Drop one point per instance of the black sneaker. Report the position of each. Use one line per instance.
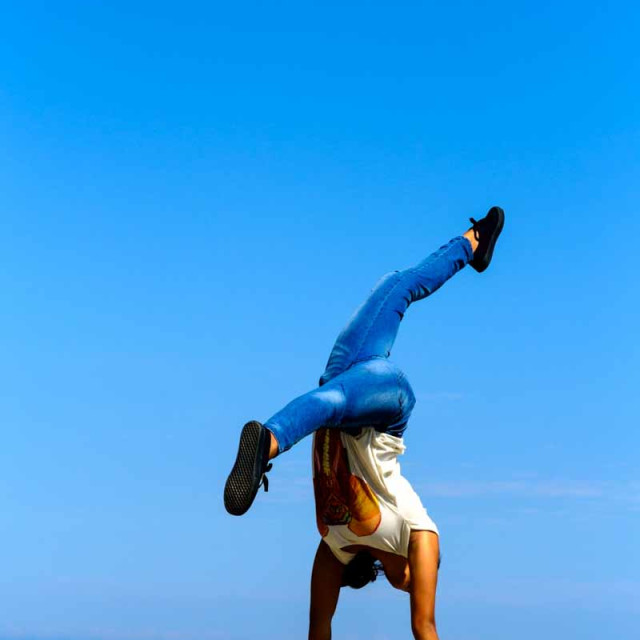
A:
(248, 473)
(486, 232)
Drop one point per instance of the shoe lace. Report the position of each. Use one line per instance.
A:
(476, 228)
(264, 482)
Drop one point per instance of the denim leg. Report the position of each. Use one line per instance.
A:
(373, 393)
(372, 329)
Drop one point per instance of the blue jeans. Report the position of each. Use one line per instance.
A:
(360, 386)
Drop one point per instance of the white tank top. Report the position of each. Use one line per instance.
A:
(361, 496)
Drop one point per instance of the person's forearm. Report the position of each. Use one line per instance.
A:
(426, 631)
(320, 631)
(326, 578)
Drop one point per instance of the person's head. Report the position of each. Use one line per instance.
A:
(362, 570)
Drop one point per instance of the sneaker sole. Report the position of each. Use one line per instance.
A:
(242, 485)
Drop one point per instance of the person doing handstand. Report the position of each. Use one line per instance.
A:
(368, 515)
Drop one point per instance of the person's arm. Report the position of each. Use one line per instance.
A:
(423, 570)
(326, 579)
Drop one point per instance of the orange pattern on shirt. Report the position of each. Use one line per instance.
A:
(341, 497)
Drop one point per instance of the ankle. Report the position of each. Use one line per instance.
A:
(273, 447)
(470, 235)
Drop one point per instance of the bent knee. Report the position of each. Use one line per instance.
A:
(333, 401)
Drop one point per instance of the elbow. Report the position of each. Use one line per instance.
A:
(424, 628)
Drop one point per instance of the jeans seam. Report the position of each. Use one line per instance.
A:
(343, 405)
(453, 245)
(365, 334)
(401, 276)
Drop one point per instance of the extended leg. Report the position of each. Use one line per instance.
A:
(373, 328)
(371, 393)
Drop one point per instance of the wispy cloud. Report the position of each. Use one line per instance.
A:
(528, 488)
(435, 396)
(295, 488)
(526, 592)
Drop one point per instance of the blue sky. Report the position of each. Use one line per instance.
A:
(195, 197)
